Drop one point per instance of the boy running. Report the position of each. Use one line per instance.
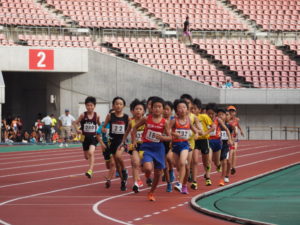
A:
(155, 133)
(235, 123)
(118, 122)
(181, 131)
(88, 122)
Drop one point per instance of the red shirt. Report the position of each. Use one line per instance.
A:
(216, 134)
(152, 128)
(234, 123)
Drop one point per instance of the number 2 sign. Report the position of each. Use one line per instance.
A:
(41, 59)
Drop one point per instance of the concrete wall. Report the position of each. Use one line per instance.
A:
(16, 58)
(111, 76)
(260, 96)
(260, 119)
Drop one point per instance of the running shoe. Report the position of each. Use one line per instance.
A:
(219, 168)
(226, 179)
(124, 174)
(123, 185)
(233, 171)
(135, 188)
(208, 182)
(221, 183)
(149, 182)
(140, 183)
(172, 177)
(184, 189)
(107, 183)
(194, 185)
(169, 187)
(89, 174)
(117, 174)
(178, 187)
(151, 197)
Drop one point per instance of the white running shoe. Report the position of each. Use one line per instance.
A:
(178, 186)
(61, 145)
(226, 179)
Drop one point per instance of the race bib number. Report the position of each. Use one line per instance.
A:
(184, 134)
(139, 136)
(213, 133)
(118, 129)
(89, 128)
(224, 135)
(151, 136)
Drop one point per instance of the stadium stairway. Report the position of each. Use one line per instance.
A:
(144, 11)
(220, 66)
(253, 26)
(57, 13)
(292, 54)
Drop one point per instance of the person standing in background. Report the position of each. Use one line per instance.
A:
(186, 30)
(47, 127)
(65, 124)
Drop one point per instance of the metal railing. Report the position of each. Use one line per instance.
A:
(273, 133)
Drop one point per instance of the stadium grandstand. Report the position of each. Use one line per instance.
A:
(54, 53)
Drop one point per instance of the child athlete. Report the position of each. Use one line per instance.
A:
(225, 147)
(155, 133)
(109, 161)
(118, 122)
(138, 109)
(235, 123)
(181, 130)
(215, 142)
(202, 144)
(88, 126)
(168, 171)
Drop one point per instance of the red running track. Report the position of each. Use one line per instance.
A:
(48, 187)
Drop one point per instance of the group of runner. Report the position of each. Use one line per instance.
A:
(160, 141)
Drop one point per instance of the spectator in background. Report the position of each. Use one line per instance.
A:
(38, 128)
(186, 30)
(14, 124)
(53, 124)
(228, 84)
(19, 123)
(65, 124)
(47, 122)
(26, 137)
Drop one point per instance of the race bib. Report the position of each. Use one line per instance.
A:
(224, 135)
(213, 133)
(118, 128)
(89, 127)
(151, 136)
(184, 134)
(139, 136)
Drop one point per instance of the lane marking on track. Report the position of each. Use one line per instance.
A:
(38, 155)
(244, 165)
(4, 223)
(96, 183)
(50, 170)
(54, 178)
(97, 204)
(28, 182)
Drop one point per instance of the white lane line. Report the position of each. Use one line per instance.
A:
(50, 170)
(55, 178)
(4, 223)
(97, 204)
(39, 155)
(36, 165)
(43, 159)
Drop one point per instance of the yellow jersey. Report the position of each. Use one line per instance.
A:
(205, 123)
(139, 132)
(192, 137)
